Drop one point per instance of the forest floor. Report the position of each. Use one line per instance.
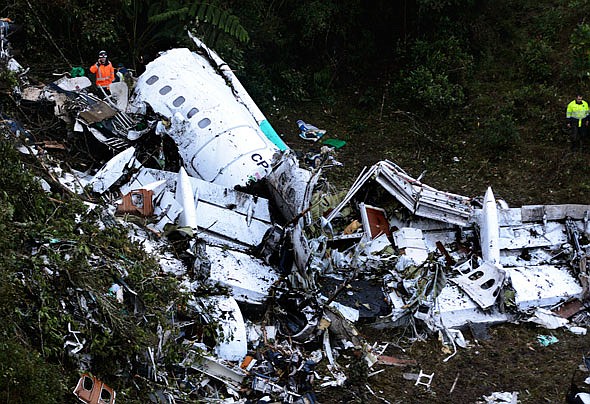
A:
(540, 170)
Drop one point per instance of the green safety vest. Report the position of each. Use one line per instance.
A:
(577, 111)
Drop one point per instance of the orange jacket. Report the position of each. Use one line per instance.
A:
(105, 74)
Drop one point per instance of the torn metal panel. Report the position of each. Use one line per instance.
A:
(223, 215)
(113, 142)
(541, 214)
(454, 309)
(91, 390)
(33, 94)
(377, 246)
(547, 319)
(300, 276)
(363, 177)
(75, 180)
(166, 209)
(223, 311)
(483, 284)
(411, 242)
(265, 385)
(532, 213)
(291, 186)
(233, 377)
(249, 278)
(97, 112)
(73, 83)
(120, 95)
(532, 235)
(217, 137)
(421, 199)
(113, 170)
(349, 313)
(542, 286)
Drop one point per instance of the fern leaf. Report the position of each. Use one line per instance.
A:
(168, 15)
(194, 8)
(201, 13)
(210, 14)
(223, 20)
(217, 18)
(234, 25)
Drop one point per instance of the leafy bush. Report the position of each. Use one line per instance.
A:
(25, 377)
(436, 76)
(535, 60)
(434, 92)
(294, 84)
(580, 46)
(499, 135)
(446, 55)
(529, 101)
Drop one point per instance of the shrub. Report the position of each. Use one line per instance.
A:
(580, 45)
(294, 84)
(26, 378)
(431, 91)
(444, 56)
(499, 135)
(535, 60)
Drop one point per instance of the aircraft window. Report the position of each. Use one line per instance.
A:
(87, 384)
(152, 80)
(203, 123)
(192, 112)
(178, 102)
(165, 90)
(105, 396)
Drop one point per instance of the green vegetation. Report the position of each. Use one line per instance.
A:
(72, 261)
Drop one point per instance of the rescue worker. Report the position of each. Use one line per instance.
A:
(124, 75)
(120, 73)
(577, 120)
(104, 71)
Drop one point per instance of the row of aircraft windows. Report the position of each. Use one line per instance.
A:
(178, 101)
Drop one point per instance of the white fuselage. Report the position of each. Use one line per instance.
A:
(218, 137)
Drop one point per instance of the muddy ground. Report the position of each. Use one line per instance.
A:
(541, 169)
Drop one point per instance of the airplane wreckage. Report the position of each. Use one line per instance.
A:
(390, 252)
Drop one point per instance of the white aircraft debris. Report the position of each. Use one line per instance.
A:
(218, 138)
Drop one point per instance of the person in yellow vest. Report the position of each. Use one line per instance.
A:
(577, 120)
(104, 71)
